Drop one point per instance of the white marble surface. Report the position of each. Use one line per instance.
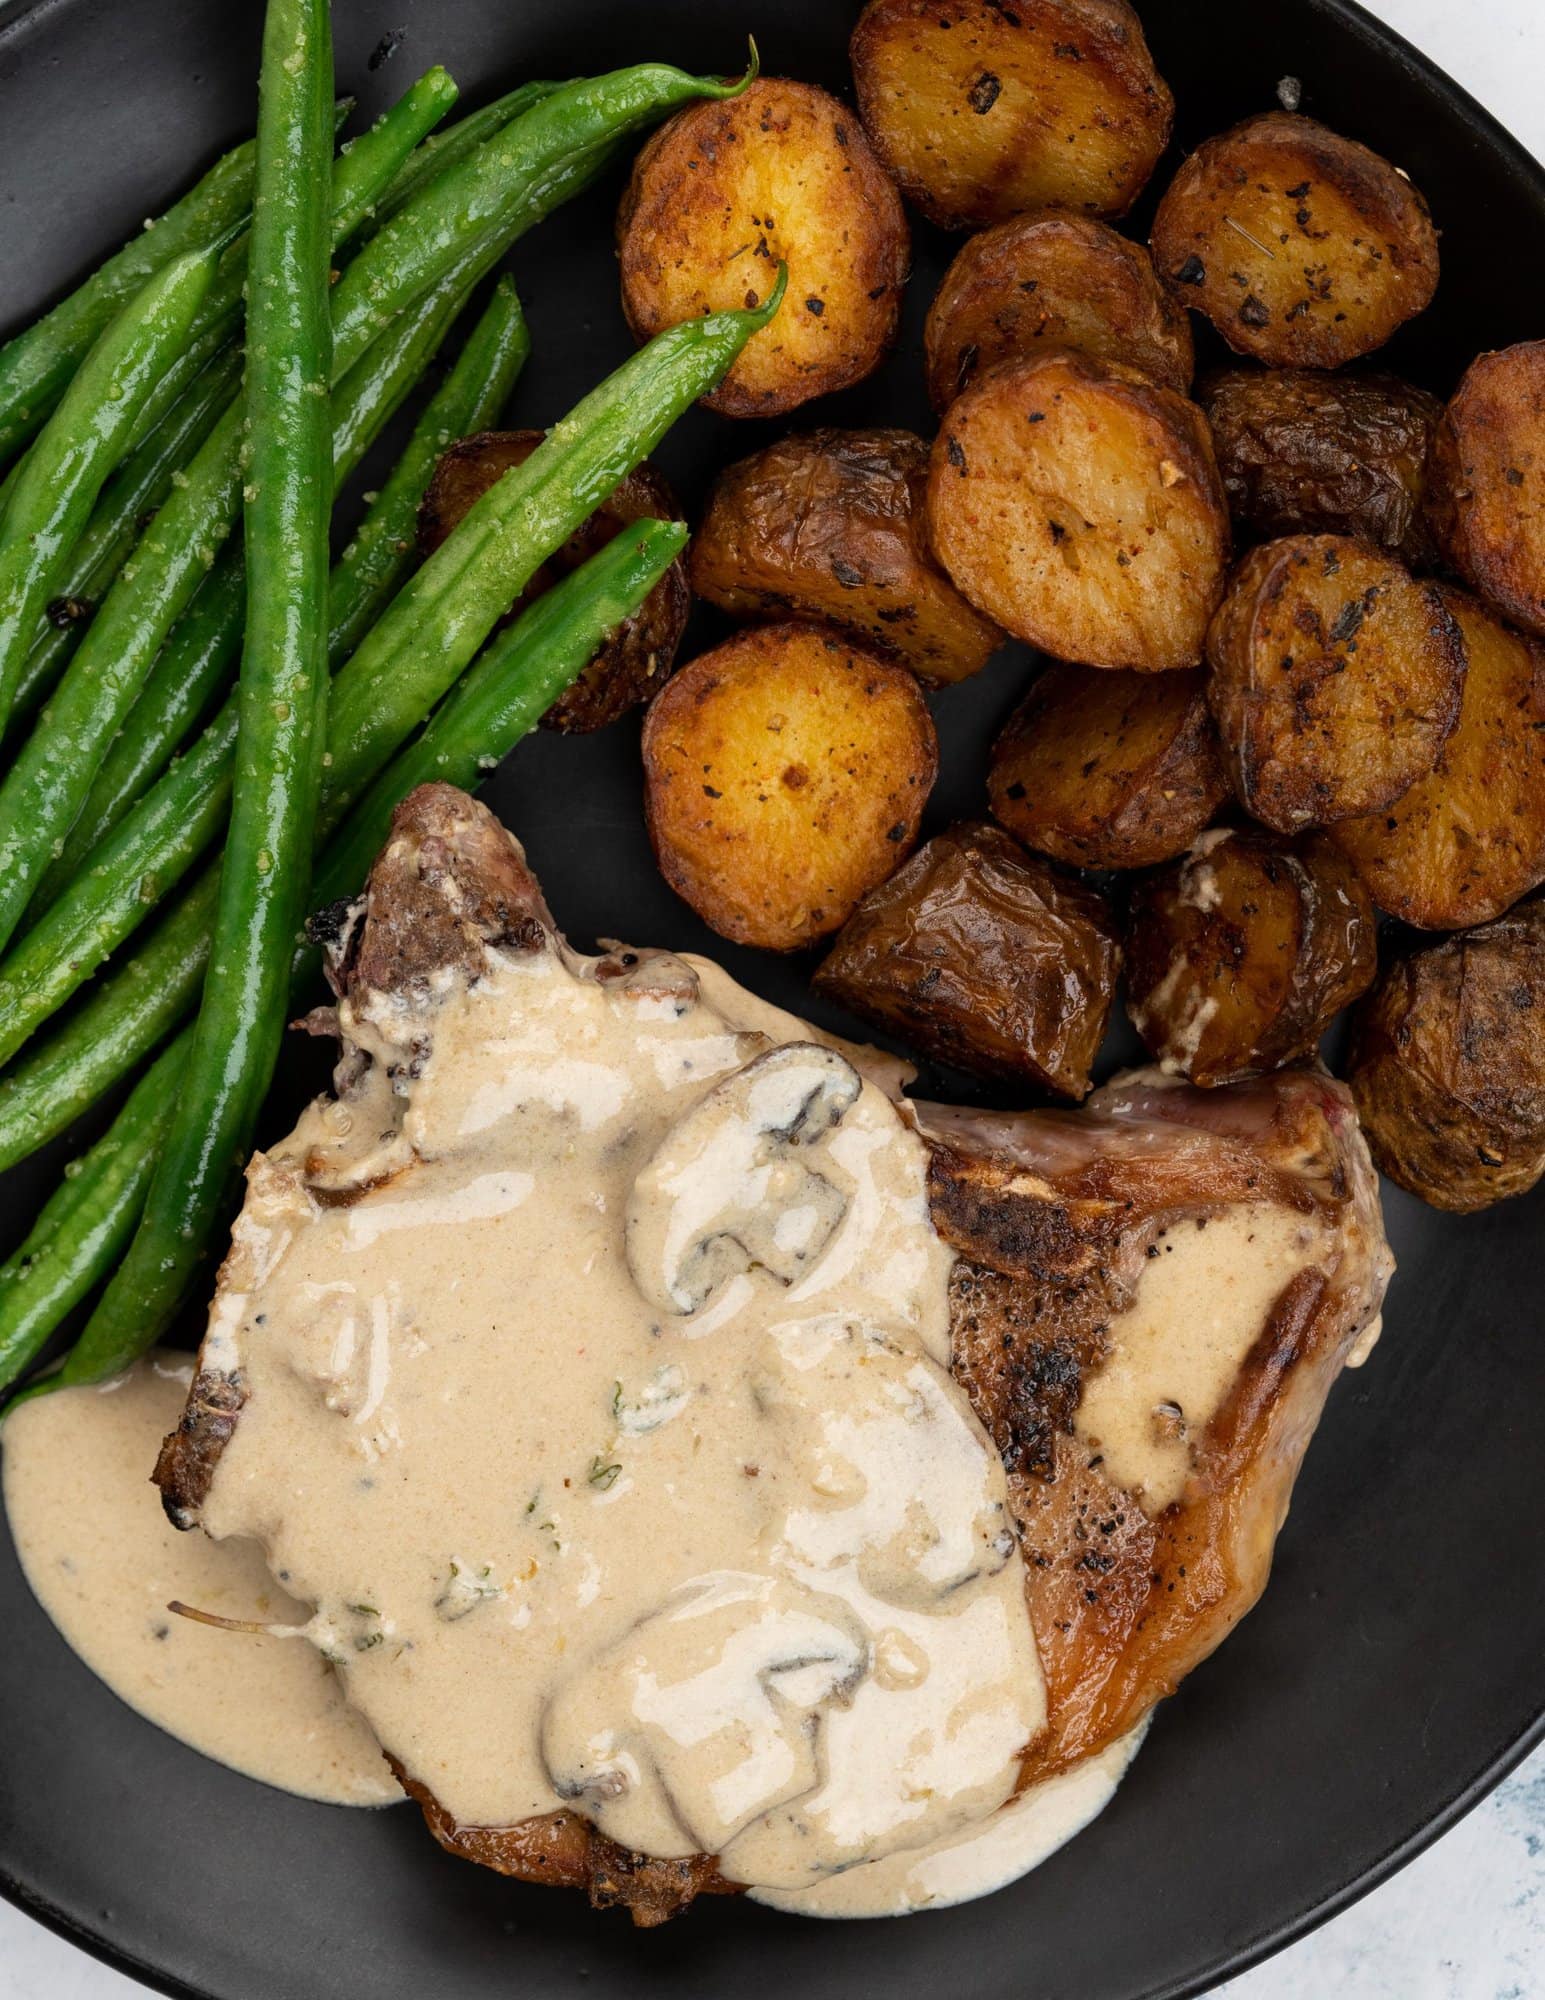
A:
(1466, 1921)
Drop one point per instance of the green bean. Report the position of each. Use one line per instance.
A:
(502, 186)
(137, 488)
(282, 692)
(469, 400)
(86, 1224)
(505, 693)
(499, 699)
(64, 472)
(36, 365)
(446, 149)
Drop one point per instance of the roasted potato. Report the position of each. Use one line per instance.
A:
(1240, 953)
(785, 774)
(724, 193)
(830, 526)
(1078, 504)
(1303, 248)
(1304, 452)
(1486, 490)
(1336, 679)
(1447, 1065)
(639, 655)
(1108, 770)
(1464, 843)
(982, 110)
(983, 956)
(1053, 280)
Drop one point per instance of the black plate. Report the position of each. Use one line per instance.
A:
(1393, 1671)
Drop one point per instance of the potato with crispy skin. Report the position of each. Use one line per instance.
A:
(982, 110)
(785, 773)
(1303, 248)
(1447, 1065)
(1240, 953)
(829, 525)
(1336, 679)
(1465, 842)
(1079, 505)
(986, 957)
(1306, 452)
(639, 655)
(1052, 280)
(1486, 493)
(724, 193)
(1108, 769)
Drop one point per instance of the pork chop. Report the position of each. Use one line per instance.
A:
(1149, 1301)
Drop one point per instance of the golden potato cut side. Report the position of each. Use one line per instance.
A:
(723, 194)
(1108, 769)
(1447, 1065)
(1302, 247)
(1078, 504)
(1336, 679)
(829, 525)
(982, 109)
(1052, 280)
(785, 774)
(1486, 494)
(1240, 954)
(1467, 841)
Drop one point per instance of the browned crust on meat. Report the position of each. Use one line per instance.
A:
(189, 1455)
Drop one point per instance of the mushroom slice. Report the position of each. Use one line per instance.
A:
(728, 1190)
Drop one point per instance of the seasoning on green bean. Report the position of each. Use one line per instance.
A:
(469, 400)
(446, 149)
(86, 1224)
(79, 447)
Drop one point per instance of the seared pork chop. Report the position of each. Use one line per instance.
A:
(1149, 1302)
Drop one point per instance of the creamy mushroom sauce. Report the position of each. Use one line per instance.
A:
(104, 1562)
(597, 1397)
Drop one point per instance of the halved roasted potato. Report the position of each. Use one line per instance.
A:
(1078, 504)
(1336, 679)
(1465, 842)
(1447, 1065)
(830, 525)
(1108, 769)
(785, 774)
(1302, 247)
(1052, 280)
(982, 110)
(639, 655)
(724, 193)
(1306, 452)
(1486, 493)
(983, 956)
(1240, 953)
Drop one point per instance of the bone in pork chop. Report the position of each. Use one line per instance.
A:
(1148, 1303)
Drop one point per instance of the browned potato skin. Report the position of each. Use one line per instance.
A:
(1053, 280)
(1464, 843)
(1078, 504)
(1336, 680)
(639, 655)
(983, 110)
(986, 957)
(830, 526)
(1487, 490)
(785, 773)
(1303, 248)
(1106, 769)
(1240, 953)
(1447, 1065)
(1306, 452)
(697, 233)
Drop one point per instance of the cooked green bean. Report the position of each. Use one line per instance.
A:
(468, 400)
(445, 149)
(36, 365)
(80, 445)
